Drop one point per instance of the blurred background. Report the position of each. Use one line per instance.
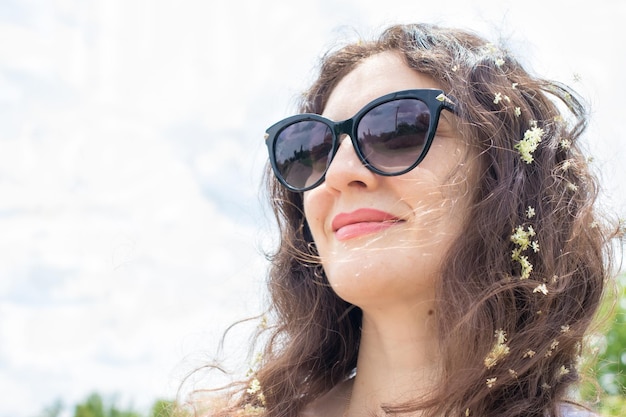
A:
(132, 228)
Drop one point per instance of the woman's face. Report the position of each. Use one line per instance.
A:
(382, 239)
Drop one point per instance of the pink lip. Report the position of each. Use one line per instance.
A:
(361, 222)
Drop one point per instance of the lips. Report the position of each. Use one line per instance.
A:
(362, 222)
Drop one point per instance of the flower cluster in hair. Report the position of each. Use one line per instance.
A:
(529, 143)
(499, 350)
(524, 237)
(255, 404)
(523, 240)
(251, 410)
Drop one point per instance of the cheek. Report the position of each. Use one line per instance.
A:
(445, 187)
(439, 206)
(313, 206)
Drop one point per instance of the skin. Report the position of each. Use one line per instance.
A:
(389, 273)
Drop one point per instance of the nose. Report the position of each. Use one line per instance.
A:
(346, 171)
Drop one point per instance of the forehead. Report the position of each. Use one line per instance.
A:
(380, 74)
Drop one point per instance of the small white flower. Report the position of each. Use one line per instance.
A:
(566, 165)
(553, 346)
(529, 353)
(527, 267)
(491, 48)
(565, 143)
(255, 386)
(534, 245)
(542, 289)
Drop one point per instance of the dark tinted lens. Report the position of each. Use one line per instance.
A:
(302, 150)
(392, 136)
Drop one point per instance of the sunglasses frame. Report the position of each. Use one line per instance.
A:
(435, 100)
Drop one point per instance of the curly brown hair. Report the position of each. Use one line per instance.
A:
(486, 287)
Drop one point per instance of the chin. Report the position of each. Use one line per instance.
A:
(359, 286)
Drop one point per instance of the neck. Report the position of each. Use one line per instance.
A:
(398, 359)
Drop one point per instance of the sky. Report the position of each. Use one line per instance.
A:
(132, 225)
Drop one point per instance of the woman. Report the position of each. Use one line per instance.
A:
(440, 252)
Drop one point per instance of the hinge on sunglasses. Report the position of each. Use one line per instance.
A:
(442, 97)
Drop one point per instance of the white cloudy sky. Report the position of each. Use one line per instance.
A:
(131, 226)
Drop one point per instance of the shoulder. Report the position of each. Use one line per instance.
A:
(571, 410)
(331, 404)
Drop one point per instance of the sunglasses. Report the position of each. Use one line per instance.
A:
(391, 136)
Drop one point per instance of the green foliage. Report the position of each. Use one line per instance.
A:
(612, 406)
(163, 408)
(611, 365)
(95, 406)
